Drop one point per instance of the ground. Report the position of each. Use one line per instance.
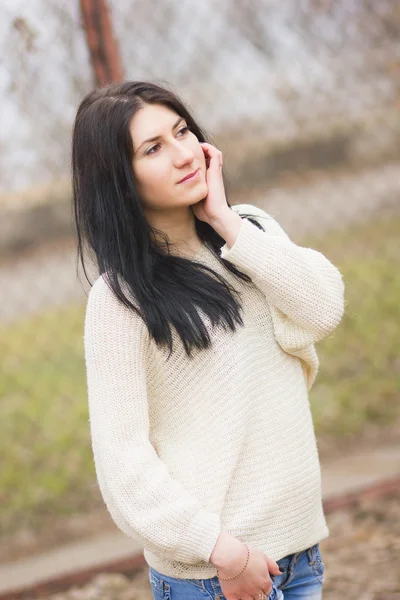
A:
(361, 557)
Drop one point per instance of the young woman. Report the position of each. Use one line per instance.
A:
(199, 349)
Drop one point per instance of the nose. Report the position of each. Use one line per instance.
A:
(182, 155)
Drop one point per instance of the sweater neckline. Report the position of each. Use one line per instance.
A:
(200, 252)
(204, 252)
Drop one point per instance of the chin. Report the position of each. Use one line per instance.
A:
(201, 191)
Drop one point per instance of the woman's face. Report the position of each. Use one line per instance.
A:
(159, 165)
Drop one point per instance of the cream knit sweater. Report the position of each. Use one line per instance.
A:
(184, 448)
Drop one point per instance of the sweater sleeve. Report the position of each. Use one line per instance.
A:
(304, 289)
(144, 500)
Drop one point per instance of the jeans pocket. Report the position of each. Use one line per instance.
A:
(274, 594)
(159, 587)
(316, 563)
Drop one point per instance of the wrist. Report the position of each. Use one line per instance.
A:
(227, 225)
(223, 214)
(229, 554)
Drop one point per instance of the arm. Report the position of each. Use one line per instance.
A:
(144, 500)
(300, 283)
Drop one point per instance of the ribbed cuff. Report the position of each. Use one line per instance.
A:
(199, 538)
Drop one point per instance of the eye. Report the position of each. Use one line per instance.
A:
(185, 129)
(149, 151)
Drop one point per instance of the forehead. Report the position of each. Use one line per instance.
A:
(151, 120)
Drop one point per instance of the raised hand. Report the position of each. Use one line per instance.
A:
(214, 206)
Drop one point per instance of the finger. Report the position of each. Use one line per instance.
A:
(216, 160)
(267, 589)
(214, 155)
(206, 147)
(273, 567)
(210, 149)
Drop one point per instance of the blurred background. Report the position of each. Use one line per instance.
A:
(303, 99)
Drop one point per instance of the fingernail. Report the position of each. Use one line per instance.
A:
(281, 569)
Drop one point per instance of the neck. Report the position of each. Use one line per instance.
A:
(179, 226)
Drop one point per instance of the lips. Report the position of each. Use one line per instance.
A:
(188, 176)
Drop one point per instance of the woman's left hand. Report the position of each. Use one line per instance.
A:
(214, 205)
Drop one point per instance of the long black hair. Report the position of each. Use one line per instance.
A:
(164, 289)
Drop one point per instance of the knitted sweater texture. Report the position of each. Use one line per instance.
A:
(186, 447)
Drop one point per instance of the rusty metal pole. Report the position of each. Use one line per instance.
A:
(104, 53)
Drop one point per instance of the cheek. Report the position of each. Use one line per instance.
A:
(151, 179)
(199, 154)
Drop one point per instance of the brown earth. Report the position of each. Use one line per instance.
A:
(361, 557)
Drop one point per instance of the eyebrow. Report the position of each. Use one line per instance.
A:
(157, 137)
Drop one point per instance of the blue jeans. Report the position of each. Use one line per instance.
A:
(302, 578)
